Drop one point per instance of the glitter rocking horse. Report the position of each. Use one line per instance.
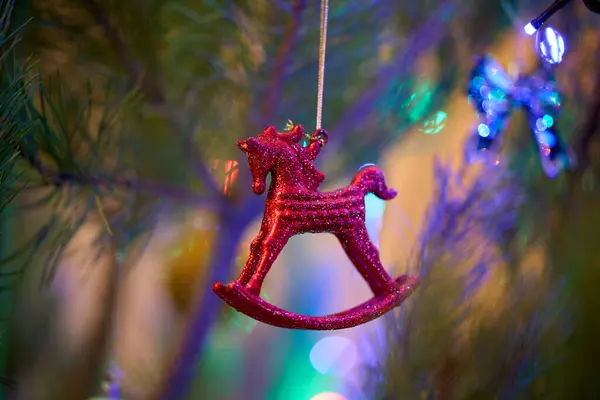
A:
(294, 205)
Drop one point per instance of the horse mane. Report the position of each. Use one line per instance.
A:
(313, 176)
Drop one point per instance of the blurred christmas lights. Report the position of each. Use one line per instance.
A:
(329, 396)
(495, 97)
(229, 170)
(434, 125)
(550, 45)
(334, 355)
(537, 23)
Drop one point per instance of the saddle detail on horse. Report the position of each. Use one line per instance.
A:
(294, 205)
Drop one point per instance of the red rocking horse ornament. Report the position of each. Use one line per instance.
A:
(294, 205)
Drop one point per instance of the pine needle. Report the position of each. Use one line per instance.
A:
(101, 213)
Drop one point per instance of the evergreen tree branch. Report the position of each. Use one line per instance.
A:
(155, 94)
(253, 204)
(284, 52)
(422, 40)
(185, 129)
(590, 128)
(12, 102)
(102, 181)
(183, 369)
(133, 67)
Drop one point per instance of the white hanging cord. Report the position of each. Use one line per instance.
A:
(322, 49)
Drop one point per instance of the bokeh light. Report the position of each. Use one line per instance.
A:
(329, 396)
(547, 138)
(484, 130)
(418, 103)
(496, 76)
(187, 260)
(334, 355)
(530, 29)
(435, 124)
(550, 45)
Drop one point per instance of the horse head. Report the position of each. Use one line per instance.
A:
(265, 150)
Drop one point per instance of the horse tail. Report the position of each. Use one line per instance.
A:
(371, 180)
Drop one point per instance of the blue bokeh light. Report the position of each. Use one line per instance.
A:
(483, 130)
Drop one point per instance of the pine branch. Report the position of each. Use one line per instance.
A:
(104, 181)
(133, 67)
(253, 204)
(181, 373)
(422, 40)
(589, 129)
(186, 130)
(284, 53)
(154, 93)
(10, 383)
(12, 102)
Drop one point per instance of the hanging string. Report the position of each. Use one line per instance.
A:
(322, 49)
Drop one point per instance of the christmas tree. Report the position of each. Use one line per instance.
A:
(119, 126)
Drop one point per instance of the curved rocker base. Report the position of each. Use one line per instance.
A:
(239, 298)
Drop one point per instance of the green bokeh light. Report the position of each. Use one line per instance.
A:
(419, 102)
(434, 125)
(548, 120)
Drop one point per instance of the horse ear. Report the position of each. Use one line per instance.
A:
(270, 131)
(243, 145)
(249, 145)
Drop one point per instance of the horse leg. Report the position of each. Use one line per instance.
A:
(365, 257)
(252, 262)
(270, 248)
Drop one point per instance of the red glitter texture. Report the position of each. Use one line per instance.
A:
(294, 205)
